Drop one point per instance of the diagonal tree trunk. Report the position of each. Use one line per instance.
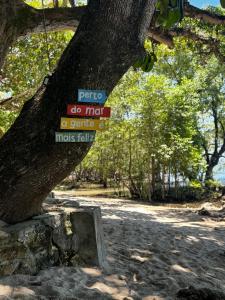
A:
(108, 41)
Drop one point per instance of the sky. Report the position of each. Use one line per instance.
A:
(204, 3)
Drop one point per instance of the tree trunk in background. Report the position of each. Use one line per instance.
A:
(108, 41)
(163, 182)
(209, 173)
(213, 162)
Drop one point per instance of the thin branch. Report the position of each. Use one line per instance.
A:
(166, 37)
(211, 43)
(161, 37)
(15, 98)
(222, 149)
(222, 127)
(204, 145)
(56, 19)
(4, 101)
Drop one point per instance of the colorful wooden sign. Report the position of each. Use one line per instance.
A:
(88, 110)
(92, 96)
(82, 124)
(74, 137)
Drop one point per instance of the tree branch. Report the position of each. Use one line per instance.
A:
(15, 102)
(55, 19)
(68, 18)
(166, 37)
(222, 149)
(204, 15)
(204, 145)
(211, 43)
(6, 100)
(161, 37)
(222, 127)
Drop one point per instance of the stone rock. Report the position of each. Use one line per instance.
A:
(24, 248)
(87, 225)
(204, 212)
(53, 201)
(57, 222)
(74, 235)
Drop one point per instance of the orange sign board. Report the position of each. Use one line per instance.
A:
(82, 124)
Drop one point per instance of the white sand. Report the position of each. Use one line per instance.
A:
(153, 251)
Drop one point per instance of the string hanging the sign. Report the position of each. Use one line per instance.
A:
(46, 36)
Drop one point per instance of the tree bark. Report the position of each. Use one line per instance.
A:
(219, 143)
(108, 41)
(209, 173)
(203, 15)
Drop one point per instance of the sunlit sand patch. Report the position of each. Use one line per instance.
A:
(139, 258)
(92, 271)
(176, 252)
(104, 288)
(18, 292)
(180, 269)
(5, 290)
(153, 298)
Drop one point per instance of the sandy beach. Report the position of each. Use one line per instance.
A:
(152, 252)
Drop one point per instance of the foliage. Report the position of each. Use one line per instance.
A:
(150, 138)
(27, 62)
(213, 185)
(6, 119)
(25, 69)
(169, 12)
(154, 142)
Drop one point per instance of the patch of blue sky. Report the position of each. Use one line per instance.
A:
(205, 3)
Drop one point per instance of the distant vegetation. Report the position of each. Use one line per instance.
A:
(166, 133)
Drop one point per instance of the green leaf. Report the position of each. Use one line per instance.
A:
(173, 3)
(147, 60)
(160, 20)
(154, 58)
(162, 6)
(173, 17)
(138, 64)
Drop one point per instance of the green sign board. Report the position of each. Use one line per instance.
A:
(74, 137)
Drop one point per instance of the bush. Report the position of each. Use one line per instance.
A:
(213, 185)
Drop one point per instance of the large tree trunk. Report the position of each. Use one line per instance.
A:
(108, 41)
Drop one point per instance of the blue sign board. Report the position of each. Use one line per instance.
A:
(92, 96)
(75, 137)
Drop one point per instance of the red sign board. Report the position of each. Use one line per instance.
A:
(88, 110)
